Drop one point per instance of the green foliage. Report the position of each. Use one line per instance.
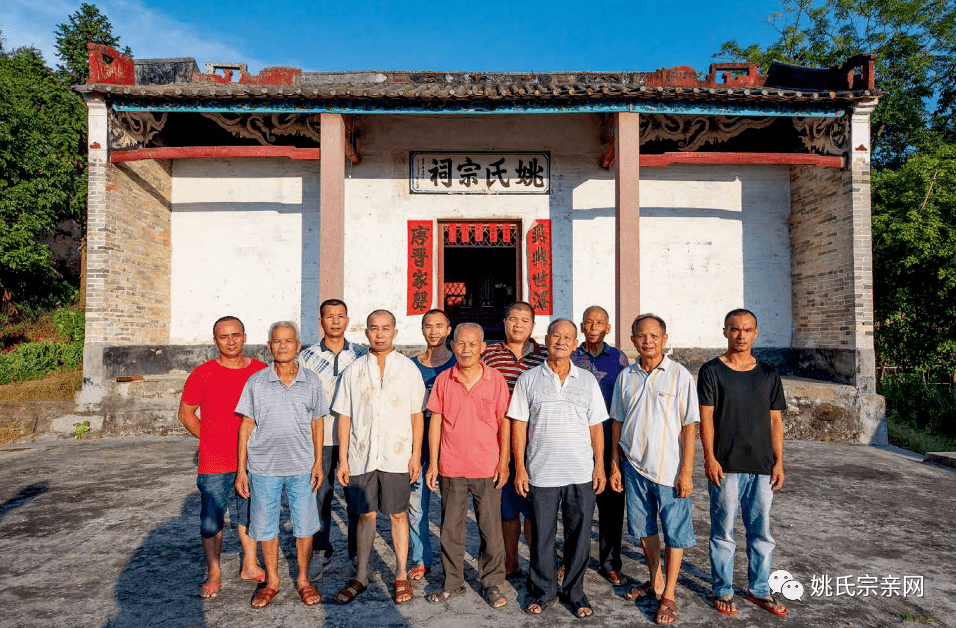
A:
(919, 410)
(34, 360)
(42, 172)
(70, 324)
(914, 258)
(85, 26)
(914, 42)
(80, 428)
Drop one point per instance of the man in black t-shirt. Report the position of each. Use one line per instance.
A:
(741, 429)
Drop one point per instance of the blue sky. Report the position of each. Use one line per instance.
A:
(490, 35)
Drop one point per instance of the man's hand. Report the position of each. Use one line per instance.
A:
(598, 479)
(317, 475)
(522, 484)
(242, 484)
(431, 477)
(715, 473)
(777, 477)
(685, 483)
(414, 469)
(615, 480)
(501, 475)
(342, 475)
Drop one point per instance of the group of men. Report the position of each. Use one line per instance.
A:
(526, 430)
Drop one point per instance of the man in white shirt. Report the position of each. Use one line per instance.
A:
(655, 412)
(557, 411)
(379, 405)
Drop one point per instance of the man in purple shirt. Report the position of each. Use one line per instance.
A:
(605, 363)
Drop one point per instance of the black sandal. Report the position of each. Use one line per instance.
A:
(541, 605)
(443, 595)
(494, 597)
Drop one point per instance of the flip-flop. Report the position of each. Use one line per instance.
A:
(730, 613)
(264, 595)
(417, 572)
(213, 590)
(348, 593)
(261, 578)
(771, 605)
(666, 608)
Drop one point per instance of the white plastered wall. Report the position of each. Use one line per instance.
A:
(715, 238)
(245, 243)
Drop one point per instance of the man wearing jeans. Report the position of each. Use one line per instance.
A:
(557, 410)
(329, 359)
(213, 389)
(280, 440)
(741, 429)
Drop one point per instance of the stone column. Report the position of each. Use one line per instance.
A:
(858, 196)
(627, 149)
(332, 208)
(97, 255)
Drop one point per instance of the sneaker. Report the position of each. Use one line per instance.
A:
(319, 563)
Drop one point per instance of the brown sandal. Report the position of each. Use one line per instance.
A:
(310, 595)
(666, 611)
(402, 588)
(263, 597)
(769, 604)
(347, 593)
(640, 591)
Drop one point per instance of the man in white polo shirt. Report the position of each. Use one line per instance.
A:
(654, 407)
(380, 401)
(557, 409)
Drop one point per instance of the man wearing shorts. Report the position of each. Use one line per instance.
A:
(655, 413)
(214, 389)
(516, 354)
(280, 443)
(379, 404)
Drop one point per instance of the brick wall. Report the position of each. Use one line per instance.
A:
(128, 272)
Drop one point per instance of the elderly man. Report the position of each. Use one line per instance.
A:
(655, 415)
(741, 429)
(329, 359)
(470, 448)
(558, 410)
(605, 363)
(280, 439)
(214, 388)
(379, 404)
(516, 354)
(434, 360)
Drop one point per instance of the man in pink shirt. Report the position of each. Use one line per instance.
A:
(468, 440)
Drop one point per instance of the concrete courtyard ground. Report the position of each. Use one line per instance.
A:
(105, 533)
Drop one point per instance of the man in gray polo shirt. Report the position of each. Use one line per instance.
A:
(280, 446)
(557, 410)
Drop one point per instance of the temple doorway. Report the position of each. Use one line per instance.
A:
(479, 266)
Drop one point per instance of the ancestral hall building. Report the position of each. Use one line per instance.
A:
(221, 192)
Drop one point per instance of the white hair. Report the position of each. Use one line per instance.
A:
(276, 325)
(463, 326)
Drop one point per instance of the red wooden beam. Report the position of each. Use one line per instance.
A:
(774, 159)
(192, 152)
(350, 152)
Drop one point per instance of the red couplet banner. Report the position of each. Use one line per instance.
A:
(420, 280)
(539, 267)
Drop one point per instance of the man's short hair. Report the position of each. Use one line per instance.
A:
(739, 312)
(276, 325)
(555, 322)
(330, 303)
(519, 305)
(644, 317)
(380, 313)
(436, 311)
(464, 326)
(595, 307)
(226, 319)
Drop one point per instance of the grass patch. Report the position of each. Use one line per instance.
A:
(10, 433)
(58, 386)
(918, 440)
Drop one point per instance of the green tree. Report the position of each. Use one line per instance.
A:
(914, 42)
(42, 173)
(85, 26)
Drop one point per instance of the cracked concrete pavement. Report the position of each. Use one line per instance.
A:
(105, 533)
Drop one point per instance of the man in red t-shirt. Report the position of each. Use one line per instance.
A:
(214, 389)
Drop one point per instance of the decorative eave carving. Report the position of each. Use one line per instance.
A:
(692, 132)
(134, 129)
(824, 136)
(264, 127)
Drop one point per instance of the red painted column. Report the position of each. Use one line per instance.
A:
(332, 208)
(627, 146)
